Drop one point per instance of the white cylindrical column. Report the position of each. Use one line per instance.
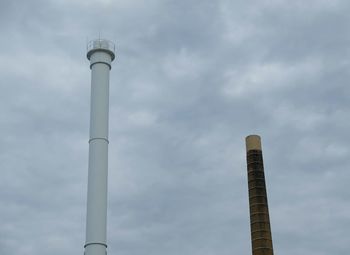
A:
(101, 54)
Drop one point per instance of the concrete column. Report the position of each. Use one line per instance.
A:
(101, 54)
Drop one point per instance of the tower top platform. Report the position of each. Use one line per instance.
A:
(101, 45)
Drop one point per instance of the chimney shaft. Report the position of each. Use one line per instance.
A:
(259, 213)
(101, 54)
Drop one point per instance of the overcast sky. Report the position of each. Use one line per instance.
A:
(191, 79)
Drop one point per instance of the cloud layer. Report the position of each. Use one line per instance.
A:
(190, 81)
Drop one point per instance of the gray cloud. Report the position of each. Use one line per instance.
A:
(190, 81)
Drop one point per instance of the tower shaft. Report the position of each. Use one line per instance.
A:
(261, 237)
(100, 55)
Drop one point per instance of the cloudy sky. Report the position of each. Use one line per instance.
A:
(190, 81)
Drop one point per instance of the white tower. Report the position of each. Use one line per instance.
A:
(101, 54)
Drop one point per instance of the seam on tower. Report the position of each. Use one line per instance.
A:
(87, 244)
(98, 138)
(101, 62)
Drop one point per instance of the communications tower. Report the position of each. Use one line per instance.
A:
(101, 53)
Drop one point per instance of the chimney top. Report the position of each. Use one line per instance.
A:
(253, 142)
